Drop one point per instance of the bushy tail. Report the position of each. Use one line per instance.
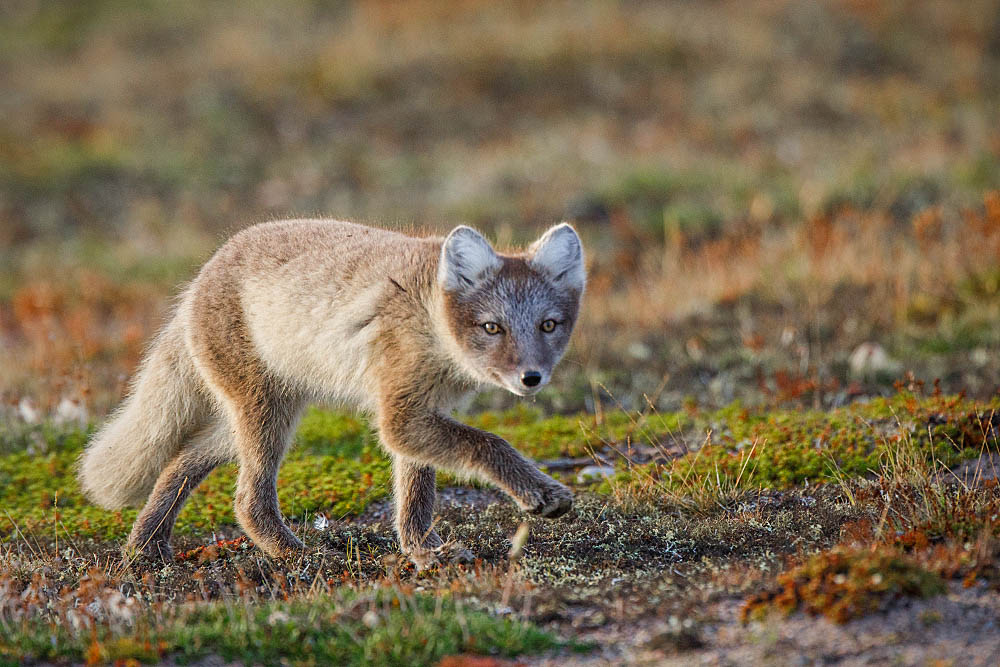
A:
(165, 405)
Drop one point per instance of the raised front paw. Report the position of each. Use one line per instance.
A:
(550, 500)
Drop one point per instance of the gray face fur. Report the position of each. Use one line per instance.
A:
(501, 308)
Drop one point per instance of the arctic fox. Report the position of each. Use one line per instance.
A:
(400, 328)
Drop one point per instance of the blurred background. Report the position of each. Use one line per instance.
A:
(783, 202)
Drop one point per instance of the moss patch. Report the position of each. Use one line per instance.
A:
(43, 500)
(779, 449)
(327, 432)
(575, 435)
(843, 584)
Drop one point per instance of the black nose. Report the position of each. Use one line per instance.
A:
(531, 378)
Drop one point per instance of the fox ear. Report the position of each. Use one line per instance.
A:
(467, 259)
(559, 253)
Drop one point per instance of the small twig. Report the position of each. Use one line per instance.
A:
(514, 555)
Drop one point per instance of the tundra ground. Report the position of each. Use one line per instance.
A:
(778, 408)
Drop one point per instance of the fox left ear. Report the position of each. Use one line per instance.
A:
(559, 253)
(467, 259)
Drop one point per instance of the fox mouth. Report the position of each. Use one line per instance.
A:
(499, 381)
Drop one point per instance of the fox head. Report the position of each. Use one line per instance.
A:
(509, 317)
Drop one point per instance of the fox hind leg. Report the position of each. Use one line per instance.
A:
(152, 529)
(263, 431)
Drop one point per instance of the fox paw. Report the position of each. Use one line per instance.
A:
(455, 552)
(282, 546)
(447, 553)
(550, 501)
(153, 556)
(289, 548)
(423, 558)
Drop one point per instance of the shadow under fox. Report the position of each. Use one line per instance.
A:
(292, 312)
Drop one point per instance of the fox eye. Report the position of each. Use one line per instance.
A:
(492, 328)
(548, 326)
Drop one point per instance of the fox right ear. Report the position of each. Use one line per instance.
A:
(560, 254)
(467, 259)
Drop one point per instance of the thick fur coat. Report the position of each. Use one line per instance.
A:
(398, 327)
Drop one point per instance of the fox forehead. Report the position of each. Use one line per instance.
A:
(518, 294)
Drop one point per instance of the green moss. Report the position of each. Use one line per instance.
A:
(43, 500)
(335, 467)
(576, 435)
(326, 432)
(784, 448)
(383, 627)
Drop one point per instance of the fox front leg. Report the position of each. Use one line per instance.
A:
(413, 485)
(439, 441)
(414, 499)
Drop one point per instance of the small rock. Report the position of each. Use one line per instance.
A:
(27, 411)
(787, 336)
(680, 640)
(871, 359)
(695, 349)
(639, 350)
(277, 617)
(70, 412)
